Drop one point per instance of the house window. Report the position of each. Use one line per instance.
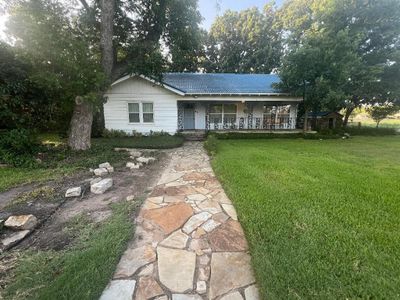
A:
(134, 112)
(223, 112)
(148, 115)
(141, 112)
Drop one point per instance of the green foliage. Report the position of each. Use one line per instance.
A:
(321, 217)
(114, 133)
(266, 135)
(244, 42)
(80, 272)
(211, 144)
(18, 147)
(145, 142)
(379, 112)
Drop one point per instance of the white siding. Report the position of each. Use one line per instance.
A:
(139, 90)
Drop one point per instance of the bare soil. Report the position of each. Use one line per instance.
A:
(55, 213)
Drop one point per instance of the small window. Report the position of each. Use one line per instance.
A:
(148, 115)
(134, 113)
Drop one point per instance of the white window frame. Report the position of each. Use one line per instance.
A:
(222, 113)
(141, 119)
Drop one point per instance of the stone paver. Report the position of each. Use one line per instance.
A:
(188, 243)
(119, 289)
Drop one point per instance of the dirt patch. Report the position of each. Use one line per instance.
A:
(54, 211)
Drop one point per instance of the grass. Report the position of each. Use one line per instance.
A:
(80, 272)
(58, 161)
(322, 217)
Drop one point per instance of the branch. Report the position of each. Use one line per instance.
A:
(85, 5)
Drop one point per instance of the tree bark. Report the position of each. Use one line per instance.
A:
(81, 125)
(349, 111)
(107, 33)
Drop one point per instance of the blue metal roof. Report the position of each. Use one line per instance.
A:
(222, 83)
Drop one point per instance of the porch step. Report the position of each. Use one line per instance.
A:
(194, 135)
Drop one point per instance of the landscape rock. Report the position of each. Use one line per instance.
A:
(170, 218)
(201, 287)
(230, 210)
(95, 180)
(132, 165)
(195, 221)
(102, 186)
(252, 293)
(145, 160)
(233, 296)
(105, 165)
(225, 274)
(176, 240)
(133, 259)
(176, 269)
(228, 237)
(119, 289)
(148, 288)
(110, 169)
(22, 222)
(73, 192)
(14, 238)
(186, 297)
(100, 172)
(130, 198)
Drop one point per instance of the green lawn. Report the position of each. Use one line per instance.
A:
(322, 217)
(60, 162)
(79, 272)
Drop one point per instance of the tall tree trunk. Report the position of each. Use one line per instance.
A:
(81, 125)
(347, 115)
(107, 56)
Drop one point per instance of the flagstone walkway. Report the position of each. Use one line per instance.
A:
(188, 243)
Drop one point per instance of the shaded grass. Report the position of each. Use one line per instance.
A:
(80, 272)
(322, 217)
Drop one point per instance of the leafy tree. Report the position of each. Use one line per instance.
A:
(244, 42)
(379, 112)
(355, 52)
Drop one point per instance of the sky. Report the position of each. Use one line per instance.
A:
(208, 8)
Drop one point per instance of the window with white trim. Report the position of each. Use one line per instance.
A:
(220, 112)
(141, 112)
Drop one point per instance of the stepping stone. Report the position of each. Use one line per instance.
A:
(221, 197)
(195, 221)
(196, 176)
(148, 288)
(176, 269)
(133, 259)
(220, 217)
(22, 222)
(147, 270)
(169, 177)
(210, 206)
(252, 293)
(233, 296)
(229, 271)
(176, 240)
(170, 218)
(102, 186)
(73, 192)
(230, 210)
(119, 289)
(228, 237)
(172, 199)
(156, 200)
(14, 238)
(186, 297)
(210, 225)
(197, 197)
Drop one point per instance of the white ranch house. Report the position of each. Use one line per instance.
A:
(201, 102)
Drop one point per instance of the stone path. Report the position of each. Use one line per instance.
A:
(188, 243)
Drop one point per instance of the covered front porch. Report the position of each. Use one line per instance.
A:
(236, 115)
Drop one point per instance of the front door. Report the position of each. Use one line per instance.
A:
(188, 114)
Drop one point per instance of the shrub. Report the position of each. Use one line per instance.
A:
(113, 133)
(158, 133)
(18, 147)
(370, 131)
(211, 144)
